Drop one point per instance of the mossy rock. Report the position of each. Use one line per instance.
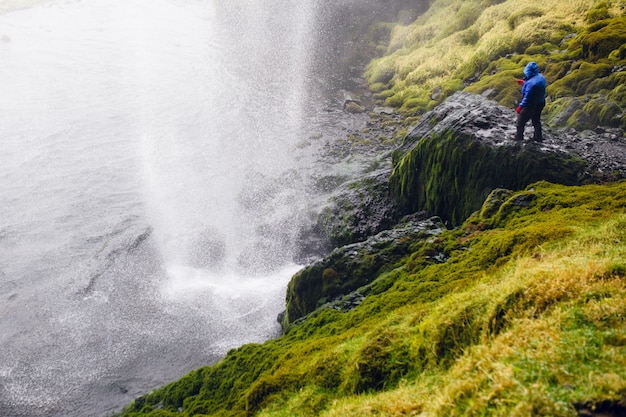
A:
(451, 174)
(558, 112)
(586, 112)
(600, 43)
(576, 83)
(603, 112)
(458, 154)
(493, 202)
(598, 12)
(351, 267)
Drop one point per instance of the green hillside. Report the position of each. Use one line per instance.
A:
(483, 45)
(521, 310)
(525, 318)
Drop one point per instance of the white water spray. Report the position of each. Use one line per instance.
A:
(152, 195)
(215, 175)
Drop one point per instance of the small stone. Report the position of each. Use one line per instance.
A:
(353, 107)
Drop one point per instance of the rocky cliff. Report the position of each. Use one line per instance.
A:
(465, 148)
(448, 164)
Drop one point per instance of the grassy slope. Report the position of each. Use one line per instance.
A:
(484, 44)
(526, 317)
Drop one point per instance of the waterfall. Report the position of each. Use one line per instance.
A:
(153, 190)
(214, 177)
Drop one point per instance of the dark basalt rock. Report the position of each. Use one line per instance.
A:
(359, 209)
(353, 266)
(463, 149)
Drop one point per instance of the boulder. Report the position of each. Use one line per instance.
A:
(359, 209)
(353, 266)
(465, 148)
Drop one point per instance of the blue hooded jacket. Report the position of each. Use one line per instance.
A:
(534, 88)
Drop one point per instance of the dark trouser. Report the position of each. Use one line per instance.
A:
(533, 113)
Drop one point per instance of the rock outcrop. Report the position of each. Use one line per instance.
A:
(360, 209)
(459, 159)
(353, 266)
(463, 149)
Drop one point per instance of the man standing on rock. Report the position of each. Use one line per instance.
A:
(533, 101)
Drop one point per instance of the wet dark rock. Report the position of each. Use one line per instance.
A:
(349, 194)
(607, 408)
(359, 209)
(354, 266)
(459, 159)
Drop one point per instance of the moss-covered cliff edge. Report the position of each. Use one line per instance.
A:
(526, 317)
(518, 311)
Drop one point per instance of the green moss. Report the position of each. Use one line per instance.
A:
(420, 104)
(544, 49)
(600, 43)
(466, 15)
(261, 390)
(493, 202)
(470, 36)
(381, 71)
(603, 112)
(538, 32)
(598, 13)
(378, 87)
(605, 85)
(379, 363)
(587, 112)
(433, 318)
(576, 83)
(396, 99)
(617, 269)
(503, 85)
(556, 70)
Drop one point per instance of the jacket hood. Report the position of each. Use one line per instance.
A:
(531, 70)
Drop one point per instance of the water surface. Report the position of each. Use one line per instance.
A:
(149, 195)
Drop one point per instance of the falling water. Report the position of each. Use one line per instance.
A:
(150, 191)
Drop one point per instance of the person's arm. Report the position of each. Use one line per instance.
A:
(526, 89)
